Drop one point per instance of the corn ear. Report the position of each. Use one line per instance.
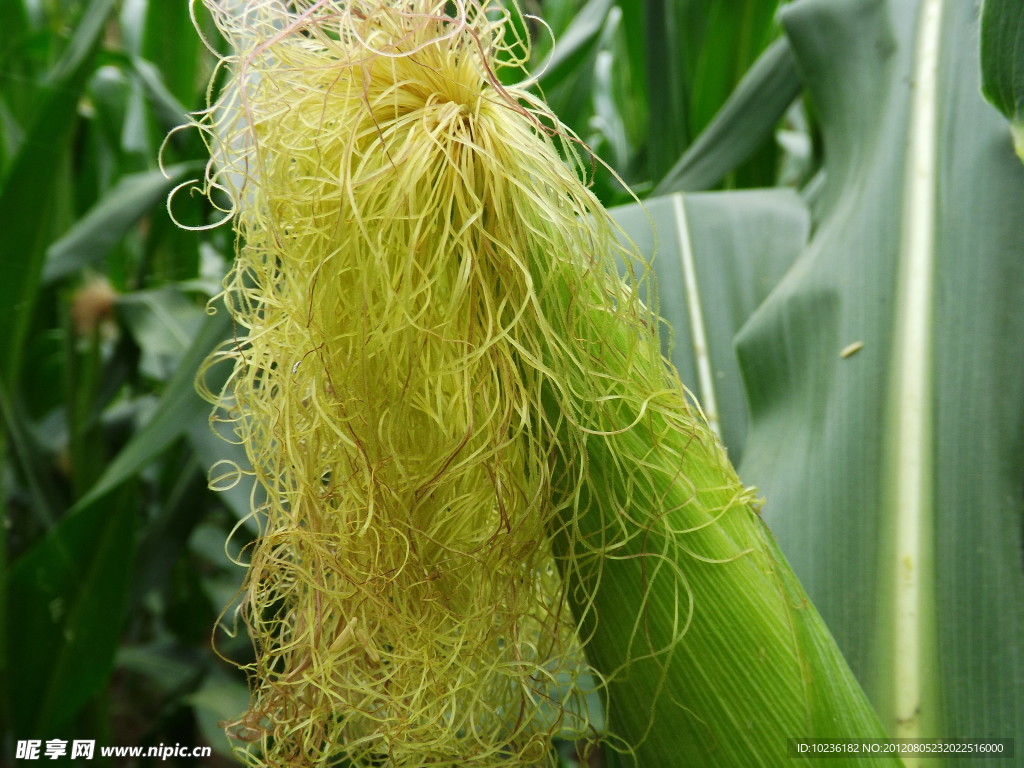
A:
(479, 486)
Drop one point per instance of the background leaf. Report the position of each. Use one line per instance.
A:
(90, 397)
(719, 254)
(697, 51)
(745, 121)
(907, 302)
(1002, 62)
(67, 599)
(27, 197)
(178, 409)
(93, 235)
(570, 47)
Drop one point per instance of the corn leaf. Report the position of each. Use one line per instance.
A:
(67, 594)
(883, 372)
(92, 236)
(744, 122)
(66, 598)
(719, 255)
(696, 52)
(573, 44)
(1002, 62)
(178, 409)
(28, 190)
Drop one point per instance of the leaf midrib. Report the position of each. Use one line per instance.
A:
(910, 571)
(698, 333)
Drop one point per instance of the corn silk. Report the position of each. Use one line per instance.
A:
(438, 374)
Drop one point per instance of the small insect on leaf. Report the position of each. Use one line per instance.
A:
(851, 349)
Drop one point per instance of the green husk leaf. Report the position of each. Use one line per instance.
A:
(712, 651)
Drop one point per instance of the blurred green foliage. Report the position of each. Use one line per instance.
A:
(115, 569)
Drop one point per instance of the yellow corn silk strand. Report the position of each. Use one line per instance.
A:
(440, 380)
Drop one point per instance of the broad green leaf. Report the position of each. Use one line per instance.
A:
(1002, 62)
(178, 409)
(697, 51)
(572, 45)
(66, 599)
(884, 371)
(113, 216)
(220, 699)
(182, 66)
(30, 186)
(727, 43)
(163, 323)
(744, 122)
(719, 254)
(169, 111)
